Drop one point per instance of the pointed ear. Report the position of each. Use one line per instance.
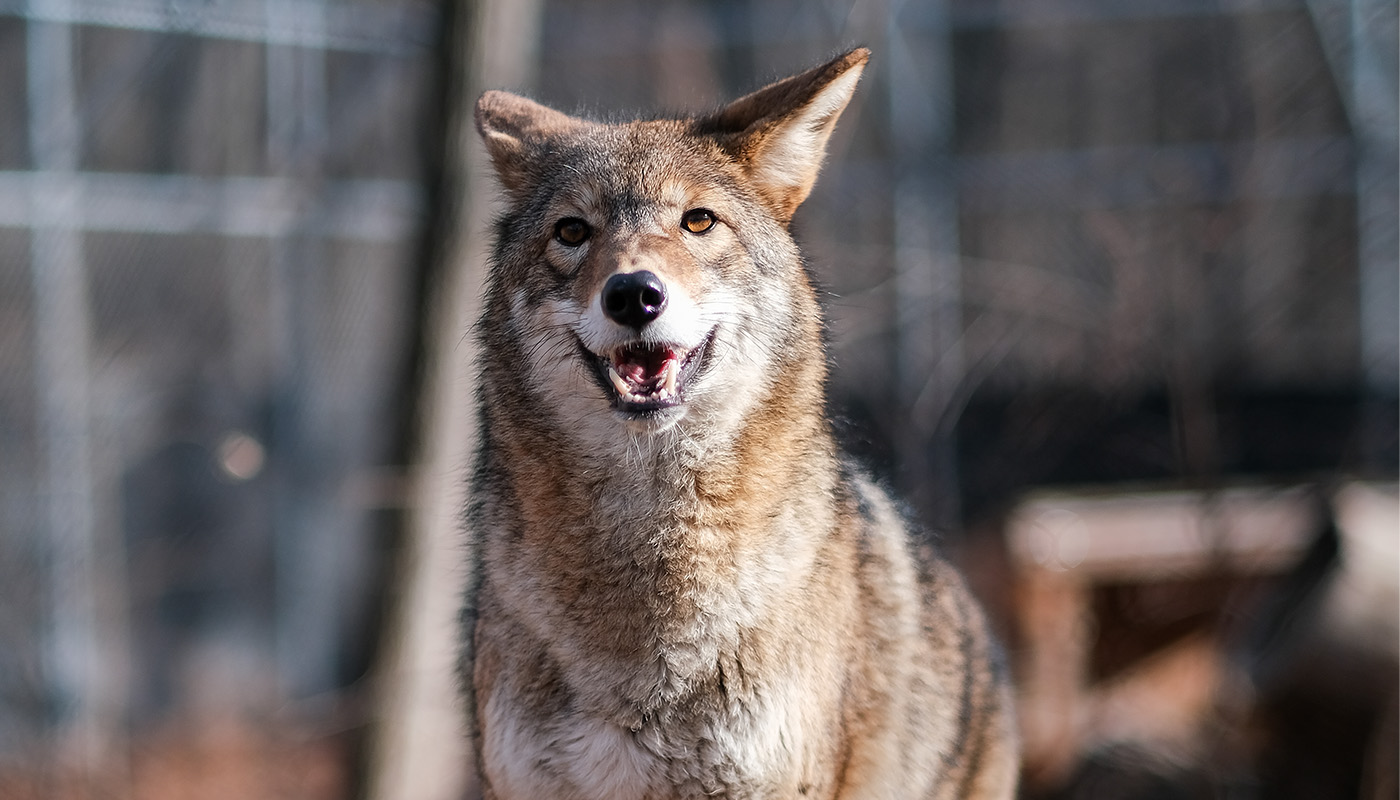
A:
(778, 134)
(509, 124)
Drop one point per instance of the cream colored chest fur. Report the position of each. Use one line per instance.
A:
(579, 756)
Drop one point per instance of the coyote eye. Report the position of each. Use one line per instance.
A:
(698, 220)
(572, 231)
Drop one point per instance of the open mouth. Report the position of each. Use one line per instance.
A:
(643, 377)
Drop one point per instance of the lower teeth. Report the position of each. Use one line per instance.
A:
(665, 391)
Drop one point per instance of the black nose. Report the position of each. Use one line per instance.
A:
(634, 298)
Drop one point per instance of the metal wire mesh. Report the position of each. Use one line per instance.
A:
(210, 216)
(1062, 241)
(1084, 214)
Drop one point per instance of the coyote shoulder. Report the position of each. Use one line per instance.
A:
(681, 589)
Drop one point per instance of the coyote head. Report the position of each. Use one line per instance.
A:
(643, 271)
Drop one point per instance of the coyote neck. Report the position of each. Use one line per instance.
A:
(661, 491)
(667, 558)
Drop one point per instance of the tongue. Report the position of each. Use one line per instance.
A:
(642, 366)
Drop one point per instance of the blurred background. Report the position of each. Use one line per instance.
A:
(1112, 287)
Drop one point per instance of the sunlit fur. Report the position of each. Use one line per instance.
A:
(703, 600)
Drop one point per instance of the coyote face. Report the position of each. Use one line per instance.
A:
(657, 255)
(681, 590)
(641, 271)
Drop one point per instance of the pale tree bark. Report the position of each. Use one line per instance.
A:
(419, 749)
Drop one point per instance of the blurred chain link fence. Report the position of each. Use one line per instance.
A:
(1170, 221)
(1064, 240)
(210, 224)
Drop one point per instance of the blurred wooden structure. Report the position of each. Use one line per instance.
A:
(1157, 622)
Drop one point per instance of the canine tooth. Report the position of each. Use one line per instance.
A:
(669, 384)
(618, 383)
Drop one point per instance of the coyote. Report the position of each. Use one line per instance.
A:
(682, 590)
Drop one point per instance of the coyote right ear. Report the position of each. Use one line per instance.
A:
(508, 124)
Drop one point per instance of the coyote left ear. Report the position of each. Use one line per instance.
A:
(778, 134)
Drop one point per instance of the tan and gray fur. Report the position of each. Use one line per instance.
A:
(682, 589)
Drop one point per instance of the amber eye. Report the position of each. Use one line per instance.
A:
(698, 220)
(572, 231)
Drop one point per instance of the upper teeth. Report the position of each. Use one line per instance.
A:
(668, 381)
(618, 383)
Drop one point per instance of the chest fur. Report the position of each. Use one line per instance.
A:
(752, 747)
